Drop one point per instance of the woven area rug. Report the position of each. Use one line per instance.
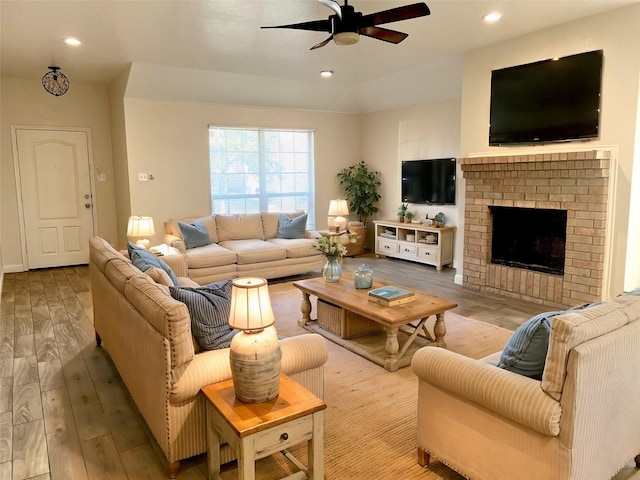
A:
(370, 420)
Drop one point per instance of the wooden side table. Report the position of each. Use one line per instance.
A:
(257, 430)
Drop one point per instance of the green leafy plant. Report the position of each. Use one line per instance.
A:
(402, 209)
(408, 216)
(361, 187)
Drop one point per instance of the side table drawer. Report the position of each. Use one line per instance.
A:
(387, 247)
(283, 436)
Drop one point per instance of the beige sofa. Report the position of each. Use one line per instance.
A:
(245, 245)
(148, 336)
(580, 422)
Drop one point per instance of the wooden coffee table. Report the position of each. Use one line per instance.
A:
(344, 295)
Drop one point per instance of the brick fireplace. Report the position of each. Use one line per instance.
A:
(573, 181)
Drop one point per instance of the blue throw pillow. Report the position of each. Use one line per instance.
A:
(209, 308)
(292, 227)
(526, 351)
(144, 259)
(194, 235)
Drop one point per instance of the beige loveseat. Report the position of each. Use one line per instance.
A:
(148, 336)
(580, 422)
(245, 245)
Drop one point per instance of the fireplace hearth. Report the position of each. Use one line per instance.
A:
(529, 238)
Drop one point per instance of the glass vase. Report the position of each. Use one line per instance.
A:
(332, 270)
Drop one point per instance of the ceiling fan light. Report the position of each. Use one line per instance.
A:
(346, 38)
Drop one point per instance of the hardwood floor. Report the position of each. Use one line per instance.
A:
(64, 413)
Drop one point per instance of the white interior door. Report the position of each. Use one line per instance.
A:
(57, 201)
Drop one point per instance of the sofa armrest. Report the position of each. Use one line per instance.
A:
(313, 234)
(505, 393)
(299, 353)
(175, 242)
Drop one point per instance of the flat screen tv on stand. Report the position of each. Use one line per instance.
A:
(555, 100)
(431, 181)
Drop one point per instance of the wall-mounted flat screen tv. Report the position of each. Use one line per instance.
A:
(555, 100)
(429, 181)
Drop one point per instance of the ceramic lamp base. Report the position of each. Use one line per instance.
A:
(255, 366)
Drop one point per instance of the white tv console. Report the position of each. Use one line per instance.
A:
(416, 242)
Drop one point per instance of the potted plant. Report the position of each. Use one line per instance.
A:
(408, 217)
(361, 187)
(402, 211)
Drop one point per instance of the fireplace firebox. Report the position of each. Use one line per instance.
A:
(530, 238)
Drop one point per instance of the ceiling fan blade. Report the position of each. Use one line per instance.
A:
(315, 25)
(383, 34)
(322, 44)
(395, 14)
(333, 5)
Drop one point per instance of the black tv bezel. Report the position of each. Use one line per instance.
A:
(538, 136)
(425, 160)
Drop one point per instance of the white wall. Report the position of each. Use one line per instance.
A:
(170, 140)
(25, 102)
(617, 33)
(411, 133)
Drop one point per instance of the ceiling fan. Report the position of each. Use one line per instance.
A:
(346, 25)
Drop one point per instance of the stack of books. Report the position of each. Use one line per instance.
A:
(390, 296)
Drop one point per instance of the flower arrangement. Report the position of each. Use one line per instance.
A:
(332, 246)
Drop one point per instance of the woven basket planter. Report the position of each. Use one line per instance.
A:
(356, 248)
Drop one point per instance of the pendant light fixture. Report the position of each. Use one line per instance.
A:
(55, 82)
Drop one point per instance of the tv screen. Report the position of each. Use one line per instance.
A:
(552, 100)
(429, 181)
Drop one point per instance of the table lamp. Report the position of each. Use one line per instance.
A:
(337, 209)
(254, 352)
(141, 227)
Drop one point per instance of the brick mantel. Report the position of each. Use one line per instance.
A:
(573, 181)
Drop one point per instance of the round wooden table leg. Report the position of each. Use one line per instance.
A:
(391, 348)
(305, 308)
(440, 330)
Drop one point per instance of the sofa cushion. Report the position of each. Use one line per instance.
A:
(144, 259)
(209, 308)
(239, 227)
(195, 234)
(159, 276)
(255, 251)
(212, 255)
(297, 247)
(292, 227)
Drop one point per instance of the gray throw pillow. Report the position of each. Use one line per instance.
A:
(143, 259)
(292, 227)
(209, 308)
(194, 235)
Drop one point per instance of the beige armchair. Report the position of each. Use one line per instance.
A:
(580, 422)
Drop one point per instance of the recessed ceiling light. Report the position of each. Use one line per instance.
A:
(74, 42)
(492, 17)
(326, 73)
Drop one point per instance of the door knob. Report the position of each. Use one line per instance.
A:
(87, 205)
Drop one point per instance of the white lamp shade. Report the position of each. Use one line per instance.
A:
(338, 207)
(250, 304)
(139, 226)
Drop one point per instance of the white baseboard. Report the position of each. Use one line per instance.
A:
(14, 268)
(457, 279)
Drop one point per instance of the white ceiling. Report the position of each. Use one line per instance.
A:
(224, 36)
